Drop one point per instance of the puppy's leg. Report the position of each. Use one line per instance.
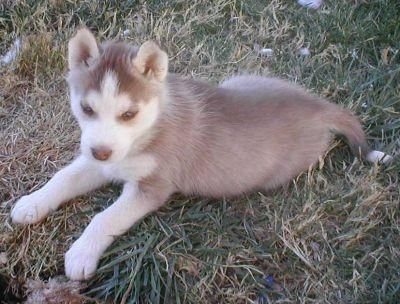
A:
(79, 177)
(134, 203)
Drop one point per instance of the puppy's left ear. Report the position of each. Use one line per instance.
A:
(151, 61)
(81, 48)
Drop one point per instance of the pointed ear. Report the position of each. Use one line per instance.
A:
(151, 61)
(81, 48)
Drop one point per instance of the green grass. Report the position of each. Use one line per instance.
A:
(332, 236)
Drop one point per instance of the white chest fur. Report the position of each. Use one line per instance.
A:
(131, 169)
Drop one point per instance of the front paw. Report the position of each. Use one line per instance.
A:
(29, 210)
(82, 258)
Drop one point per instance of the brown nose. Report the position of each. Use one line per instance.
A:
(101, 153)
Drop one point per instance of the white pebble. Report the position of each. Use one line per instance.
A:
(3, 258)
(304, 52)
(267, 52)
(315, 4)
(126, 33)
(12, 53)
(379, 157)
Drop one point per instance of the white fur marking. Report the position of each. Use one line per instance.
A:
(379, 157)
(82, 258)
(78, 178)
(109, 85)
(131, 169)
(106, 130)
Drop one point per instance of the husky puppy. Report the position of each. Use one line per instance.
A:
(159, 134)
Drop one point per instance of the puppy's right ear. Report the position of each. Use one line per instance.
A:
(81, 48)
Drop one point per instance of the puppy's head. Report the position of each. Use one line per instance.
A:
(116, 92)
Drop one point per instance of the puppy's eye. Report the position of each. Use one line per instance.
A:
(128, 115)
(87, 110)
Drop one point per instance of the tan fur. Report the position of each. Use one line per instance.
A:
(151, 61)
(81, 49)
(250, 133)
(221, 142)
(116, 57)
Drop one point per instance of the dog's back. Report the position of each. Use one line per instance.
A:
(250, 132)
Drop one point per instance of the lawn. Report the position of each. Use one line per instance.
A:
(331, 236)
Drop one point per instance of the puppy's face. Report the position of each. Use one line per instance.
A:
(116, 93)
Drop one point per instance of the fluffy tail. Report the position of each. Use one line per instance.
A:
(344, 123)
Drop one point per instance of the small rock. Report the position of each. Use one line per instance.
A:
(126, 33)
(305, 52)
(266, 52)
(315, 4)
(12, 53)
(3, 258)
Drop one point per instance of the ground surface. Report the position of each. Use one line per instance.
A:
(332, 236)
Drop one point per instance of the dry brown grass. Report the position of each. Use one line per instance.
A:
(331, 237)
